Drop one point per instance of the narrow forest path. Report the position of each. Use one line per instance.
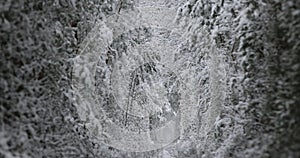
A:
(145, 110)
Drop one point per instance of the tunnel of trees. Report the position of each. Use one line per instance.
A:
(225, 73)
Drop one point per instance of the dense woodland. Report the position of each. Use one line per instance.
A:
(246, 52)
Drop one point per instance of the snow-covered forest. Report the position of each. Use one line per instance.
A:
(149, 78)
